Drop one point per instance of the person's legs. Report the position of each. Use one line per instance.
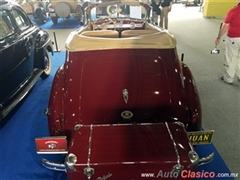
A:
(231, 58)
(237, 41)
(155, 18)
(166, 18)
(161, 19)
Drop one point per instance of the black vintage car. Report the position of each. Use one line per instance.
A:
(24, 55)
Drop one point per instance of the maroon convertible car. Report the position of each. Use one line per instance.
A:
(123, 105)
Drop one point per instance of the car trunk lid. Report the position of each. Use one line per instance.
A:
(123, 86)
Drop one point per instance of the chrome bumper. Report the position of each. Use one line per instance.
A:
(68, 165)
(196, 161)
(206, 160)
(53, 166)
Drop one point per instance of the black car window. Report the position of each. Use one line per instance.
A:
(20, 19)
(6, 27)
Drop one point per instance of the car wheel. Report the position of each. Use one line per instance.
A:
(54, 20)
(62, 9)
(47, 65)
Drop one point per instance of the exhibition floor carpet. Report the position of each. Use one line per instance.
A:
(18, 157)
(63, 23)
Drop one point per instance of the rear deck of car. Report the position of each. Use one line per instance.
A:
(152, 38)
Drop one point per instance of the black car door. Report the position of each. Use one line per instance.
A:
(18, 55)
(8, 39)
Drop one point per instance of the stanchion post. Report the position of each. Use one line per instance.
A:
(182, 57)
(55, 40)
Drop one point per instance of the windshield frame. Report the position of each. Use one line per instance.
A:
(143, 6)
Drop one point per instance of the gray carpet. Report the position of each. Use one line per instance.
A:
(220, 101)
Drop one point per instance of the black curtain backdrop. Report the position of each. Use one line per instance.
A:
(18, 157)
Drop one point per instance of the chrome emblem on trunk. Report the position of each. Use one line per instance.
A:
(125, 95)
(127, 114)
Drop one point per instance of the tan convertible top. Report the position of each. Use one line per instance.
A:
(111, 39)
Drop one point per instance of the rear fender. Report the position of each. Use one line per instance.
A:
(43, 40)
(55, 109)
(192, 100)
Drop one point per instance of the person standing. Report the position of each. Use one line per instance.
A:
(231, 25)
(156, 11)
(166, 8)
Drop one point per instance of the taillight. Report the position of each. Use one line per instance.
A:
(193, 121)
(57, 125)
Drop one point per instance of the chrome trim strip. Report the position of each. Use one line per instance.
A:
(88, 171)
(178, 167)
(53, 152)
(174, 143)
(89, 146)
